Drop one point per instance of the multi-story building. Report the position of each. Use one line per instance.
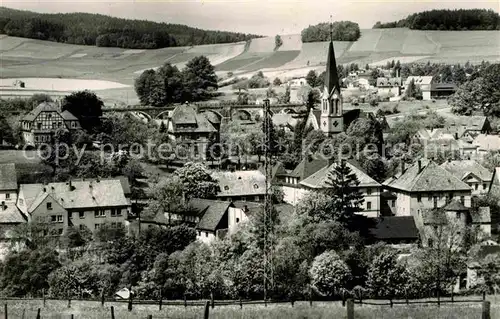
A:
(39, 125)
(389, 86)
(10, 216)
(241, 185)
(426, 185)
(472, 173)
(424, 83)
(368, 187)
(80, 204)
(193, 130)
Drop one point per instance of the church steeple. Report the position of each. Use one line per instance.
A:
(332, 120)
(331, 76)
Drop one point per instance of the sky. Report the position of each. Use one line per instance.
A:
(263, 17)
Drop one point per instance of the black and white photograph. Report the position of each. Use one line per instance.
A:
(252, 159)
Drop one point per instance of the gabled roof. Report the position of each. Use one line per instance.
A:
(394, 227)
(42, 107)
(308, 166)
(430, 177)
(319, 179)
(240, 183)
(389, 82)
(463, 168)
(455, 206)
(278, 169)
(211, 212)
(68, 116)
(8, 176)
(487, 142)
(186, 119)
(82, 194)
(11, 215)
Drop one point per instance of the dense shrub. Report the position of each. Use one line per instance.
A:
(342, 31)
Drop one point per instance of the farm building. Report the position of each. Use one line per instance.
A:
(39, 125)
(442, 90)
(422, 82)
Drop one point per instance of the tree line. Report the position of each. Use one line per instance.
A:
(196, 82)
(459, 20)
(106, 31)
(342, 31)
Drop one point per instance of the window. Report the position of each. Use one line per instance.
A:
(116, 212)
(199, 233)
(73, 124)
(484, 186)
(59, 218)
(458, 215)
(226, 187)
(59, 124)
(429, 197)
(368, 205)
(419, 198)
(462, 200)
(368, 191)
(256, 198)
(243, 199)
(81, 214)
(206, 234)
(7, 196)
(429, 242)
(237, 220)
(21, 201)
(53, 218)
(393, 203)
(39, 125)
(476, 186)
(53, 125)
(450, 196)
(435, 202)
(49, 206)
(100, 213)
(60, 231)
(82, 227)
(97, 226)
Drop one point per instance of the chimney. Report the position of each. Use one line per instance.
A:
(419, 165)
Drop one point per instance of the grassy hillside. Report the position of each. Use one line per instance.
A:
(106, 31)
(23, 57)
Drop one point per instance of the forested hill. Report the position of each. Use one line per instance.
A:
(462, 19)
(106, 31)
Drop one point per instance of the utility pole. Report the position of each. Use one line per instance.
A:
(268, 269)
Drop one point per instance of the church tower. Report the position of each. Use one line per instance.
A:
(332, 120)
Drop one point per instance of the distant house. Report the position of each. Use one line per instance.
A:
(472, 173)
(39, 125)
(8, 183)
(422, 82)
(285, 121)
(394, 230)
(241, 185)
(297, 82)
(193, 130)
(389, 86)
(442, 90)
(467, 126)
(79, 204)
(487, 143)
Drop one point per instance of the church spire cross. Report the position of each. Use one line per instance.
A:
(331, 28)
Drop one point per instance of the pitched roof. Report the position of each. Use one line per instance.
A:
(320, 178)
(308, 166)
(240, 183)
(394, 227)
(419, 80)
(8, 176)
(211, 212)
(278, 169)
(430, 177)
(42, 107)
(455, 206)
(462, 168)
(68, 116)
(11, 215)
(487, 142)
(185, 118)
(83, 194)
(389, 82)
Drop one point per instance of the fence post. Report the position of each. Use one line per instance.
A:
(161, 300)
(406, 296)
(361, 297)
(69, 303)
(5, 311)
(185, 302)
(350, 308)
(452, 295)
(241, 304)
(130, 298)
(310, 296)
(72, 316)
(439, 299)
(485, 311)
(112, 312)
(24, 312)
(292, 301)
(102, 297)
(207, 310)
(343, 298)
(390, 301)
(484, 295)
(43, 293)
(38, 314)
(212, 299)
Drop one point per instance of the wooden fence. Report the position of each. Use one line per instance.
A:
(349, 304)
